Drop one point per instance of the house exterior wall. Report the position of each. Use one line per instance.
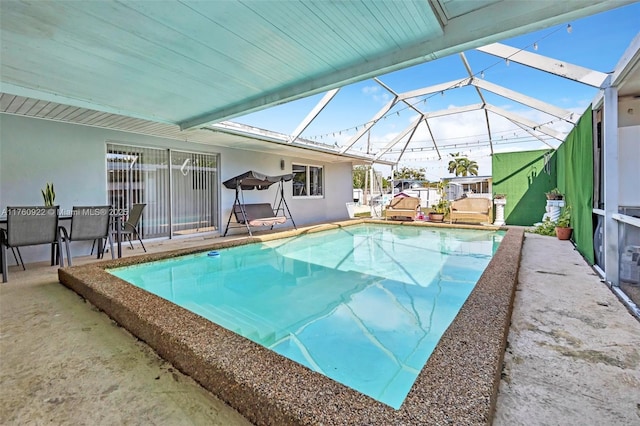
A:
(629, 169)
(34, 152)
(629, 151)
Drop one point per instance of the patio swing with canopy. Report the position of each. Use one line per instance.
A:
(259, 214)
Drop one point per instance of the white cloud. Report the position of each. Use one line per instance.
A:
(369, 90)
(374, 93)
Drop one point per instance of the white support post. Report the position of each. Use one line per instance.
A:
(610, 173)
(371, 187)
(499, 203)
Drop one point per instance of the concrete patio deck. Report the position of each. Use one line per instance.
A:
(573, 357)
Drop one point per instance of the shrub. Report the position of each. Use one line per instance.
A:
(547, 227)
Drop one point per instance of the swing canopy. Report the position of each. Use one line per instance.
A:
(260, 214)
(254, 180)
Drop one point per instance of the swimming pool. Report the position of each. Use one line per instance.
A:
(364, 305)
(458, 384)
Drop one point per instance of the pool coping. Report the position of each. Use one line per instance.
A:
(458, 384)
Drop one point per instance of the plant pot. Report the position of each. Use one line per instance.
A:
(436, 217)
(563, 233)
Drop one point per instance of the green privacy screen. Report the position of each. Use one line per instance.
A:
(575, 180)
(524, 177)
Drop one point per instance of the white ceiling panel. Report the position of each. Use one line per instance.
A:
(189, 63)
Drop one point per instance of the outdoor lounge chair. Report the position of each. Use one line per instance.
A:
(403, 207)
(88, 223)
(471, 209)
(29, 226)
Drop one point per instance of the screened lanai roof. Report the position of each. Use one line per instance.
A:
(504, 96)
(167, 67)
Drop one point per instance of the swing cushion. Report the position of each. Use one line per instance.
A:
(257, 214)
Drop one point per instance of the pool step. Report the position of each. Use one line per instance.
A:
(240, 321)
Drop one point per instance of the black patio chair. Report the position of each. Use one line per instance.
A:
(89, 223)
(130, 226)
(29, 226)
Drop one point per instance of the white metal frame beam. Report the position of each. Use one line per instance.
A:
(546, 64)
(479, 92)
(385, 109)
(313, 114)
(413, 107)
(434, 89)
(534, 103)
(534, 134)
(526, 122)
(452, 111)
(404, 148)
(410, 128)
(549, 65)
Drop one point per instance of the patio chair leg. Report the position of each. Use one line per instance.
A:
(3, 260)
(101, 248)
(20, 256)
(13, 250)
(141, 243)
(113, 253)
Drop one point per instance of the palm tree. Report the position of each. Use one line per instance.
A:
(462, 166)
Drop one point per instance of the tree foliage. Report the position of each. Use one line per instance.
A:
(409, 173)
(462, 166)
(359, 173)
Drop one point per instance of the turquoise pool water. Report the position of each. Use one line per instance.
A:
(364, 305)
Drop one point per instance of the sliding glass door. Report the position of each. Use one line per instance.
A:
(194, 189)
(179, 200)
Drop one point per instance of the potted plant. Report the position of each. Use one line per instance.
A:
(563, 224)
(439, 209)
(554, 194)
(49, 195)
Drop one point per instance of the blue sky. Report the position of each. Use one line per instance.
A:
(596, 42)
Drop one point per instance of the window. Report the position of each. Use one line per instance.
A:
(179, 188)
(307, 181)
(476, 187)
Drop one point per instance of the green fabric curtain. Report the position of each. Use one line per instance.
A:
(524, 177)
(575, 180)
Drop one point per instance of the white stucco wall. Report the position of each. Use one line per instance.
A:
(34, 152)
(629, 165)
(629, 151)
(628, 112)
